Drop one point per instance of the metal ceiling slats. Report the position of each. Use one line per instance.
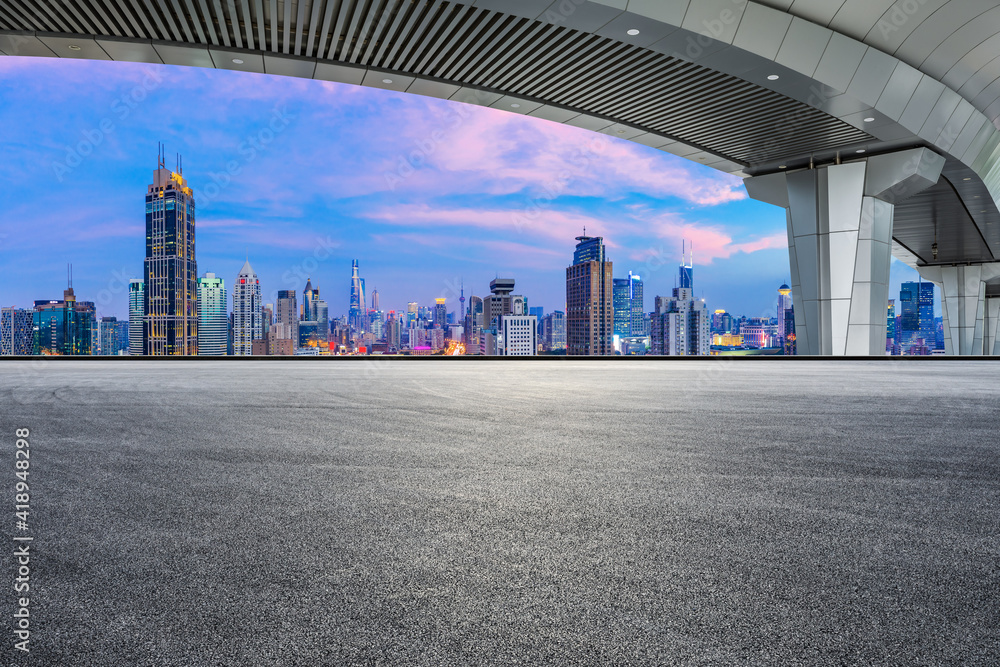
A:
(413, 18)
(463, 69)
(300, 26)
(138, 11)
(86, 28)
(233, 23)
(345, 9)
(544, 73)
(167, 15)
(430, 38)
(286, 26)
(114, 21)
(260, 23)
(536, 33)
(589, 88)
(349, 36)
(220, 19)
(41, 10)
(473, 46)
(182, 20)
(317, 7)
(365, 34)
(417, 28)
(248, 24)
(458, 49)
(683, 83)
(446, 41)
(272, 20)
(492, 61)
(655, 86)
(197, 20)
(534, 61)
(209, 23)
(324, 32)
(400, 12)
(22, 20)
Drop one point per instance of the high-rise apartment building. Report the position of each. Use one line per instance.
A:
(213, 318)
(589, 302)
(171, 272)
(136, 315)
(246, 311)
(16, 331)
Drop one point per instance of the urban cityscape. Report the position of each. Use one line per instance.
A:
(174, 311)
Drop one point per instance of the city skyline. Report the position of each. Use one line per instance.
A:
(452, 194)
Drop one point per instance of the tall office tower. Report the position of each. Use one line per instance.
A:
(288, 314)
(473, 324)
(136, 315)
(267, 319)
(308, 309)
(637, 326)
(17, 335)
(622, 307)
(440, 313)
(789, 339)
(916, 302)
(784, 305)
(393, 333)
(246, 311)
(498, 303)
(357, 314)
(554, 331)
(687, 267)
(589, 304)
(375, 300)
(322, 313)
(890, 328)
(680, 325)
(171, 272)
(123, 341)
(64, 327)
(229, 336)
(411, 312)
(213, 318)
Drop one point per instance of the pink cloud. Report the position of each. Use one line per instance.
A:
(708, 242)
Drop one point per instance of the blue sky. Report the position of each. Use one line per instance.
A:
(303, 176)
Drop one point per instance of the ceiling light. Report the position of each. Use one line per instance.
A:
(515, 106)
(74, 47)
(860, 150)
(773, 77)
(237, 61)
(782, 166)
(967, 178)
(632, 32)
(386, 80)
(977, 196)
(620, 131)
(869, 120)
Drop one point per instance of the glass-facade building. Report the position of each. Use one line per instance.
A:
(247, 311)
(16, 331)
(136, 315)
(916, 313)
(64, 327)
(171, 272)
(213, 318)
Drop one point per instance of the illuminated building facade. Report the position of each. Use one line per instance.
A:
(16, 332)
(213, 318)
(247, 309)
(136, 315)
(64, 327)
(589, 302)
(171, 272)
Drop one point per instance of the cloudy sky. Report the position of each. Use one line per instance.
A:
(303, 176)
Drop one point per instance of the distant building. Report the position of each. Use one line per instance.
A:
(213, 318)
(136, 316)
(680, 325)
(64, 327)
(110, 342)
(267, 318)
(589, 303)
(890, 328)
(440, 313)
(784, 307)
(246, 311)
(916, 301)
(539, 313)
(288, 313)
(554, 331)
(357, 315)
(16, 332)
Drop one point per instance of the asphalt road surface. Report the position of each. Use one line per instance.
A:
(567, 513)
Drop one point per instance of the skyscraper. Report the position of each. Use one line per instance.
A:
(213, 317)
(554, 331)
(628, 307)
(680, 325)
(890, 328)
(786, 325)
(357, 314)
(171, 296)
(16, 332)
(440, 313)
(136, 315)
(375, 300)
(309, 295)
(589, 304)
(64, 327)
(288, 314)
(246, 311)
(916, 317)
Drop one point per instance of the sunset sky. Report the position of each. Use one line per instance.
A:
(303, 176)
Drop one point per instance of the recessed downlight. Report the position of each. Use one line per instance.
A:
(967, 178)
(870, 119)
(386, 80)
(632, 31)
(515, 106)
(74, 47)
(860, 150)
(773, 77)
(237, 61)
(782, 166)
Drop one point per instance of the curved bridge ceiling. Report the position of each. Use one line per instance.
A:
(743, 87)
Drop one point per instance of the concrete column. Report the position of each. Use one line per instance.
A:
(839, 223)
(992, 325)
(963, 306)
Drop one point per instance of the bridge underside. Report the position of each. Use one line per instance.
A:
(749, 88)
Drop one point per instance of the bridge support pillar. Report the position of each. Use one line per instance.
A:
(992, 326)
(839, 223)
(969, 318)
